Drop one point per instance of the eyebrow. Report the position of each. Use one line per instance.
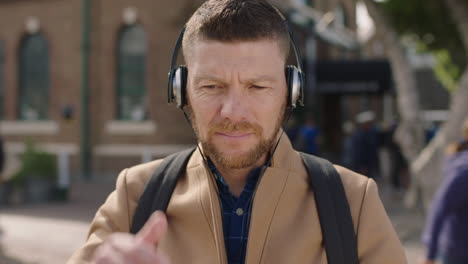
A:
(206, 77)
(255, 79)
(261, 78)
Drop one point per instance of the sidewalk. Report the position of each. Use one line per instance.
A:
(408, 223)
(50, 233)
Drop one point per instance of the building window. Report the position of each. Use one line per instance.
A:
(341, 18)
(131, 69)
(2, 82)
(33, 78)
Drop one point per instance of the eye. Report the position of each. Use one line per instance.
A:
(211, 86)
(258, 87)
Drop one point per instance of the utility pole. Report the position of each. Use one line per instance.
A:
(84, 121)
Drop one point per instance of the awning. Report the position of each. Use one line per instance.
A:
(352, 76)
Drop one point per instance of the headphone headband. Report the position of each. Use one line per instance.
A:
(292, 38)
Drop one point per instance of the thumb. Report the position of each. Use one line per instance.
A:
(154, 229)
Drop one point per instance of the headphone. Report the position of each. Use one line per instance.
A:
(295, 79)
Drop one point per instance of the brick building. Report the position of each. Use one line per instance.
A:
(119, 52)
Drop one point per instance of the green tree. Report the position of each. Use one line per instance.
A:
(430, 22)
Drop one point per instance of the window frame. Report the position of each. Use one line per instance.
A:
(131, 74)
(33, 77)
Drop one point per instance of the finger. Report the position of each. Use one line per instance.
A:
(162, 258)
(109, 259)
(148, 256)
(121, 248)
(106, 255)
(144, 254)
(133, 250)
(154, 229)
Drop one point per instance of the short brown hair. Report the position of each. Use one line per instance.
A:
(236, 20)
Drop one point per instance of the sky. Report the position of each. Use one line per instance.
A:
(365, 24)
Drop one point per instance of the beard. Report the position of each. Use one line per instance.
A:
(242, 160)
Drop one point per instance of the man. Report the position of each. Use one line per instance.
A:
(241, 201)
(307, 140)
(365, 145)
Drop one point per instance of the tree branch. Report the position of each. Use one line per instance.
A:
(459, 11)
(410, 132)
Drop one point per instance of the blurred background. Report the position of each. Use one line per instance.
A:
(83, 96)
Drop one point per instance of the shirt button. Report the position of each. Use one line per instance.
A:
(239, 211)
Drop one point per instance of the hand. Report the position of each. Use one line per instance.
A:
(121, 248)
(426, 261)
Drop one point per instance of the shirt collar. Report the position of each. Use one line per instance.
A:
(251, 178)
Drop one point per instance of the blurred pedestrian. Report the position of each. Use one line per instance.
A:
(365, 145)
(292, 128)
(307, 137)
(398, 164)
(2, 159)
(446, 233)
(2, 165)
(347, 144)
(431, 131)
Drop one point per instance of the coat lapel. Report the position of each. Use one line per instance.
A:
(266, 200)
(194, 218)
(211, 207)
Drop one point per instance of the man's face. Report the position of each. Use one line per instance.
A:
(237, 96)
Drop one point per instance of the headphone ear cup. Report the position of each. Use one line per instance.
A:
(183, 86)
(177, 86)
(287, 72)
(170, 86)
(294, 83)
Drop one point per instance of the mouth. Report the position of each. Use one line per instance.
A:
(235, 135)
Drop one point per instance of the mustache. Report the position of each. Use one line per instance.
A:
(228, 126)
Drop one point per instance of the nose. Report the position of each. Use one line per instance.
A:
(234, 105)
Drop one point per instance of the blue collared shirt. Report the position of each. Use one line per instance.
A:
(236, 214)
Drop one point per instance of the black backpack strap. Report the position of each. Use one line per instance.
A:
(333, 209)
(158, 190)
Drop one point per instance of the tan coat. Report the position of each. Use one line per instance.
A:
(284, 225)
